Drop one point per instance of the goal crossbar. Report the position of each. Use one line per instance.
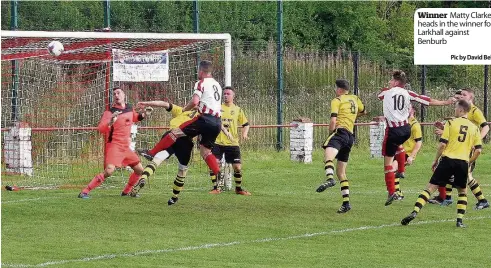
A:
(128, 35)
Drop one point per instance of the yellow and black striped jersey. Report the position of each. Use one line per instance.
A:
(416, 135)
(476, 116)
(232, 117)
(179, 117)
(346, 108)
(461, 136)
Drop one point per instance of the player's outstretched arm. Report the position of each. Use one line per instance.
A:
(162, 104)
(434, 102)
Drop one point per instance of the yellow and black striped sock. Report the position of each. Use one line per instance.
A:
(398, 188)
(461, 206)
(448, 189)
(476, 189)
(422, 200)
(214, 180)
(329, 168)
(148, 171)
(238, 180)
(345, 190)
(177, 188)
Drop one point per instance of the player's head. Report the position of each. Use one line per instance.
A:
(462, 107)
(228, 95)
(205, 69)
(398, 79)
(467, 94)
(458, 94)
(118, 96)
(342, 86)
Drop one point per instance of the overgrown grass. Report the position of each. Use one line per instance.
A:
(285, 223)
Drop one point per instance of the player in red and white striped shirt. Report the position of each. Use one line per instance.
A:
(207, 99)
(396, 106)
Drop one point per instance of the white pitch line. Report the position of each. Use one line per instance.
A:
(355, 191)
(29, 199)
(73, 195)
(221, 245)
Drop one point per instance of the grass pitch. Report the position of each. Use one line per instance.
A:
(285, 223)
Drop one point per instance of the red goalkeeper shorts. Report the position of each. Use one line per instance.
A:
(120, 156)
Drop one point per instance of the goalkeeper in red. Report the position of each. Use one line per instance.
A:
(345, 108)
(116, 126)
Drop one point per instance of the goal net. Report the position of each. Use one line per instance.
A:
(52, 105)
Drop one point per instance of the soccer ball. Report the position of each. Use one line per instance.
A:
(55, 48)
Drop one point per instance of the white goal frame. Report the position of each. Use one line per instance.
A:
(227, 39)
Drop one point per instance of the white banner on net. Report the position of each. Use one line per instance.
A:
(140, 66)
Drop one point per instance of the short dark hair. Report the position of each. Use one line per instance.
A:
(399, 76)
(458, 92)
(468, 90)
(117, 88)
(228, 88)
(342, 83)
(206, 66)
(466, 106)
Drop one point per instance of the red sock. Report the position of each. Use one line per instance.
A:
(442, 192)
(390, 180)
(163, 144)
(401, 162)
(131, 182)
(96, 181)
(212, 163)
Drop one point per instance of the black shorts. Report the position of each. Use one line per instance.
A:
(232, 153)
(395, 137)
(182, 148)
(342, 140)
(208, 126)
(448, 167)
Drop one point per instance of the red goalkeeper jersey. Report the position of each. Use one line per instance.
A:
(120, 132)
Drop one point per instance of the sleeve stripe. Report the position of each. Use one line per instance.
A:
(170, 107)
(484, 124)
(419, 98)
(478, 146)
(418, 139)
(246, 124)
(443, 140)
(334, 115)
(380, 95)
(199, 86)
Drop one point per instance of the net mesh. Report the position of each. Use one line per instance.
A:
(62, 100)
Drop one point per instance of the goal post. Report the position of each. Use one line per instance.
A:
(59, 100)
